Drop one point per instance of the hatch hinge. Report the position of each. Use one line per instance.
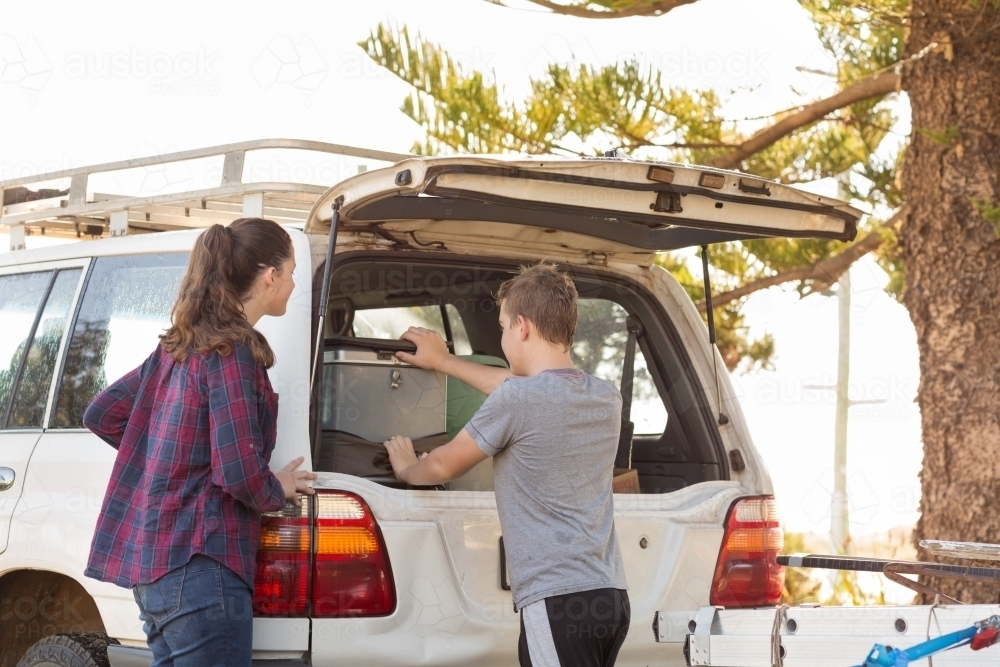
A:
(367, 238)
(598, 258)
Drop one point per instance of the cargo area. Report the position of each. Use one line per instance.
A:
(366, 395)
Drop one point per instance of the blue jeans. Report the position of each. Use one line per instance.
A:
(199, 615)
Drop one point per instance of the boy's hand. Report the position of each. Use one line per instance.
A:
(294, 482)
(401, 455)
(432, 350)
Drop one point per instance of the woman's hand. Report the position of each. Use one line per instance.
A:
(401, 455)
(432, 350)
(294, 482)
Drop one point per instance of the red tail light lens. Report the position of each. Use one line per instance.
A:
(748, 574)
(351, 573)
(281, 584)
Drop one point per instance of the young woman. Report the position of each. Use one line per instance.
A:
(194, 427)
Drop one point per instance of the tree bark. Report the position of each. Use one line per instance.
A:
(952, 258)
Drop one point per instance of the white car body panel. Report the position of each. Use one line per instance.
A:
(17, 449)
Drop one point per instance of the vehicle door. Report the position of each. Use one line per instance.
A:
(35, 307)
(124, 306)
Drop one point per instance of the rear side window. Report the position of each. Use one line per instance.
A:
(20, 299)
(392, 322)
(28, 404)
(599, 350)
(126, 306)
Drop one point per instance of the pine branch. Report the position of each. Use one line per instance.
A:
(822, 274)
(881, 84)
(635, 8)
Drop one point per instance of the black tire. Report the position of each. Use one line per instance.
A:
(76, 649)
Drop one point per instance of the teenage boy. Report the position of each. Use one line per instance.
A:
(552, 431)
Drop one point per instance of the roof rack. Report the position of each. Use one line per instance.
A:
(70, 212)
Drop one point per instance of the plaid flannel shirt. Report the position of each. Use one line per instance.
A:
(191, 476)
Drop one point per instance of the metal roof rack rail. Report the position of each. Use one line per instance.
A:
(71, 212)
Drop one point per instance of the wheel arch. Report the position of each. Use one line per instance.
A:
(38, 603)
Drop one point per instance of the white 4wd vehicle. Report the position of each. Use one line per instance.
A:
(369, 571)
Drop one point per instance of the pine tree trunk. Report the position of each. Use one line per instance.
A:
(952, 256)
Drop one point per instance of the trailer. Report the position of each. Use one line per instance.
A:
(943, 634)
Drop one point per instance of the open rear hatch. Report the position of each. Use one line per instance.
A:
(575, 204)
(444, 547)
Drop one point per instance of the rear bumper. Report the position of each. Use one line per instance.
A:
(286, 639)
(130, 656)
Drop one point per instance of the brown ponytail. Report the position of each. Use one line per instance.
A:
(225, 263)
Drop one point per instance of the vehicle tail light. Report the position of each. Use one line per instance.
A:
(281, 584)
(351, 573)
(748, 574)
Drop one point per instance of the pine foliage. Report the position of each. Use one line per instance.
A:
(581, 108)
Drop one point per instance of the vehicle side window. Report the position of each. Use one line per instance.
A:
(599, 350)
(21, 296)
(392, 322)
(126, 306)
(32, 394)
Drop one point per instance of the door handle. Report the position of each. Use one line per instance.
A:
(6, 478)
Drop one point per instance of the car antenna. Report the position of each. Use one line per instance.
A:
(723, 419)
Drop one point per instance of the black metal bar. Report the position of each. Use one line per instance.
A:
(504, 584)
(708, 296)
(623, 459)
(633, 328)
(324, 294)
(71, 322)
(324, 305)
(894, 570)
(879, 565)
(446, 323)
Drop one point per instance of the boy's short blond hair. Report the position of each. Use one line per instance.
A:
(545, 296)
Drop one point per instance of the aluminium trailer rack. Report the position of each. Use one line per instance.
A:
(845, 636)
(813, 636)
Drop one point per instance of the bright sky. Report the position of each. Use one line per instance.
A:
(103, 83)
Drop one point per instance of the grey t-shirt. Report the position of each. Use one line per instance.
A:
(553, 438)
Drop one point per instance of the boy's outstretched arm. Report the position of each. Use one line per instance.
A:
(432, 353)
(441, 465)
